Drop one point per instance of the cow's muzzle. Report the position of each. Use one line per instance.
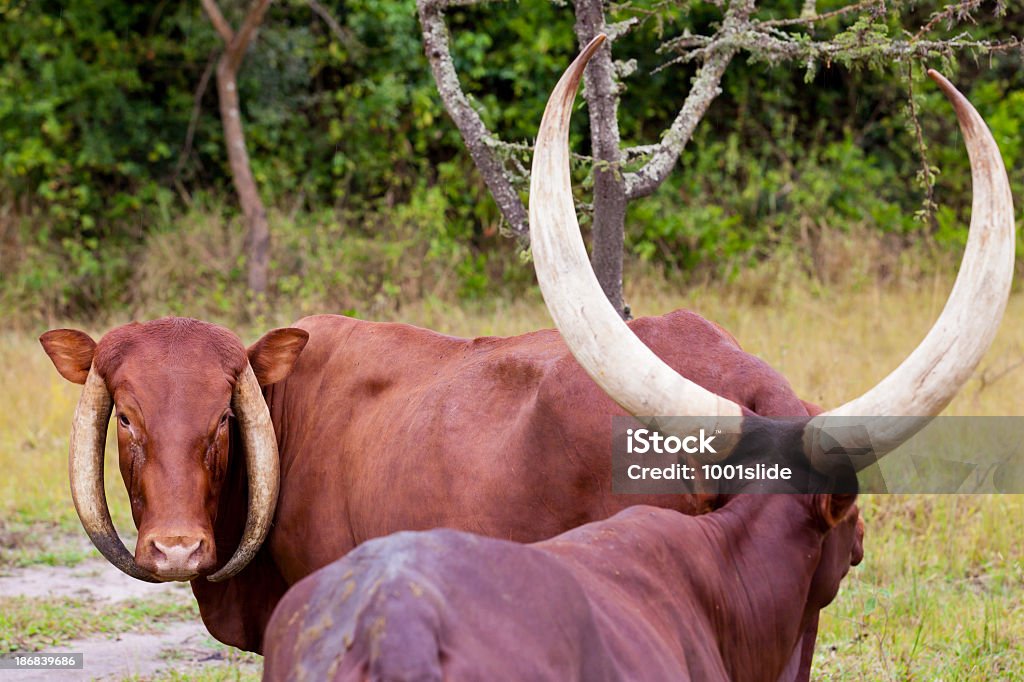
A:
(175, 557)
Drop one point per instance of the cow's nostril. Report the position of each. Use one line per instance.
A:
(177, 555)
(179, 548)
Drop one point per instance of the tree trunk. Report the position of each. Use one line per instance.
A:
(257, 234)
(257, 231)
(602, 95)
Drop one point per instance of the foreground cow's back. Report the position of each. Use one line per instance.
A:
(649, 594)
(379, 615)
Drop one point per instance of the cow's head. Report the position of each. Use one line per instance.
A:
(631, 374)
(174, 386)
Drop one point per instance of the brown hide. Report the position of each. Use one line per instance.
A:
(385, 427)
(502, 437)
(649, 594)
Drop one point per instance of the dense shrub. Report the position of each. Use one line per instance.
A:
(352, 149)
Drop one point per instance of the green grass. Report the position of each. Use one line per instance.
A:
(28, 624)
(24, 544)
(233, 671)
(237, 666)
(228, 672)
(940, 594)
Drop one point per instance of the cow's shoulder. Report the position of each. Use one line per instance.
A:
(705, 353)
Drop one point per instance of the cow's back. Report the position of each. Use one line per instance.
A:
(506, 437)
(591, 605)
(372, 408)
(422, 606)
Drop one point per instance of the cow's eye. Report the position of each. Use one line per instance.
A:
(123, 421)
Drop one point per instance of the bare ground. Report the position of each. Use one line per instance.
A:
(184, 647)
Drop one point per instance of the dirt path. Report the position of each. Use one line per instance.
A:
(187, 645)
(180, 646)
(92, 579)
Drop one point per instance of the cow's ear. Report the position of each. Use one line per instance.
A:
(70, 351)
(274, 355)
(833, 508)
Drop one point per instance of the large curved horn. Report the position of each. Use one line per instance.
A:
(643, 385)
(930, 376)
(262, 465)
(85, 471)
(627, 370)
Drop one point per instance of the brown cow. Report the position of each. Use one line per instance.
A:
(649, 594)
(367, 428)
(380, 427)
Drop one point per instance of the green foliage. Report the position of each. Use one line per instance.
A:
(725, 208)
(375, 201)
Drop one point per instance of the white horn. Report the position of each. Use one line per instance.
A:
(929, 378)
(627, 370)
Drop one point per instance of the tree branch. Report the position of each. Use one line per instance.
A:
(343, 35)
(219, 22)
(704, 90)
(807, 18)
(926, 174)
(257, 237)
(524, 150)
(640, 151)
(478, 139)
(960, 11)
(773, 46)
(235, 52)
(197, 106)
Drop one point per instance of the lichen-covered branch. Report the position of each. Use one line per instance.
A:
(809, 15)
(479, 140)
(958, 11)
(524, 151)
(862, 47)
(926, 174)
(705, 88)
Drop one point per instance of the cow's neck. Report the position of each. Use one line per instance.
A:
(768, 551)
(236, 610)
